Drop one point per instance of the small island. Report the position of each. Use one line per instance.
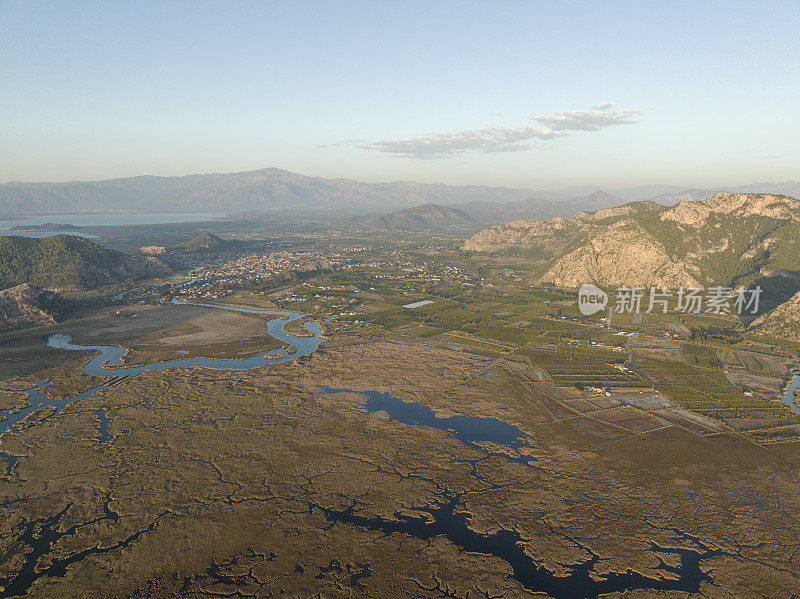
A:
(298, 328)
(45, 227)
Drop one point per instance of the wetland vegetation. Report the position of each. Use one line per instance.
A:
(485, 443)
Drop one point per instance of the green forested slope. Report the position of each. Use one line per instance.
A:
(67, 262)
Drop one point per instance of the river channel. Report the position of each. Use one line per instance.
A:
(109, 363)
(788, 397)
(444, 517)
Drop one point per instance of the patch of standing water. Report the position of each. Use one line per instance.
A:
(467, 429)
(580, 579)
(38, 400)
(788, 398)
(10, 460)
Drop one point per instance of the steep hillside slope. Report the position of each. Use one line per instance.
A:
(68, 262)
(26, 304)
(204, 241)
(621, 253)
(782, 323)
(427, 215)
(725, 240)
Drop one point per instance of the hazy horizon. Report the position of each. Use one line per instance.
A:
(524, 95)
(559, 189)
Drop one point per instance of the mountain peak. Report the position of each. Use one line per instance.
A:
(711, 242)
(740, 205)
(204, 241)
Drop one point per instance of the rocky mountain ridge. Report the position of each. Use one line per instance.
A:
(727, 239)
(27, 304)
(783, 322)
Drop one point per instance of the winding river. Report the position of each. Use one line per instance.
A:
(788, 397)
(109, 363)
(442, 517)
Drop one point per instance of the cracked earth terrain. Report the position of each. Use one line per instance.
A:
(260, 483)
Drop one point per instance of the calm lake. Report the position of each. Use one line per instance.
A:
(101, 220)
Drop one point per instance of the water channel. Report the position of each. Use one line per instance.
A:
(110, 363)
(441, 518)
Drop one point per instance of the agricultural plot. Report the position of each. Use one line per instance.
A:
(596, 375)
(449, 318)
(580, 367)
(390, 318)
(778, 434)
(420, 330)
(582, 405)
(752, 361)
(466, 339)
(632, 420)
(700, 355)
(502, 334)
(705, 391)
(571, 358)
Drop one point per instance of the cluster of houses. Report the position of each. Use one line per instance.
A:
(263, 266)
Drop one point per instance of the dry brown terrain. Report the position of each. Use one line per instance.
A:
(280, 489)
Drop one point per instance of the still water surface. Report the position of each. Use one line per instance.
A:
(100, 220)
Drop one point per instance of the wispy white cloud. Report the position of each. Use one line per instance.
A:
(490, 139)
(346, 142)
(593, 119)
(485, 139)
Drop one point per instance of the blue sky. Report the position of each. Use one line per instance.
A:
(498, 93)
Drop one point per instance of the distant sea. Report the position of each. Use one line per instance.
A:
(100, 220)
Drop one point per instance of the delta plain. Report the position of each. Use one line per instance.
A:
(403, 403)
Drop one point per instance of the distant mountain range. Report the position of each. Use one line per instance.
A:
(262, 190)
(488, 213)
(672, 194)
(278, 190)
